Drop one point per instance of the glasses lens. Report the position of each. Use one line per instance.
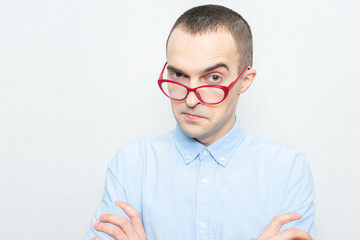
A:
(211, 94)
(174, 91)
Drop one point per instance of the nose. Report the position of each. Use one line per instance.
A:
(192, 100)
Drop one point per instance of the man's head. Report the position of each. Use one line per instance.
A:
(209, 45)
(211, 18)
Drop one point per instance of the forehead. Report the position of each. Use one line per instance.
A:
(196, 52)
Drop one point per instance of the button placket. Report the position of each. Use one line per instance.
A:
(203, 195)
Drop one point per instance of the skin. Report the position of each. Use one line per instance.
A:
(271, 232)
(191, 56)
(123, 229)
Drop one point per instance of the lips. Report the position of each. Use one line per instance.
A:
(192, 117)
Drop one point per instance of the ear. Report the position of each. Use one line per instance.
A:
(247, 80)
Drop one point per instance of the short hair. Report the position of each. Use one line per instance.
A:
(210, 18)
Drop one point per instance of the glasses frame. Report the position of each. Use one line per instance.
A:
(226, 89)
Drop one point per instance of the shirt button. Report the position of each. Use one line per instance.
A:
(222, 158)
(203, 225)
(205, 180)
(206, 152)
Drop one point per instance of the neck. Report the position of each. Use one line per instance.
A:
(219, 133)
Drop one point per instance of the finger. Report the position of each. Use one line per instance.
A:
(278, 221)
(110, 230)
(96, 238)
(120, 221)
(134, 217)
(293, 233)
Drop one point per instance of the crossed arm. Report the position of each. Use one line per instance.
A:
(120, 228)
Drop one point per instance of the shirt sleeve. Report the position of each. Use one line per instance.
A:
(299, 196)
(113, 191)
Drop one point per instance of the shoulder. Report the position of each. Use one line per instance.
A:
(271, 154)
(134, 152)
(145, 144)
(260, 144)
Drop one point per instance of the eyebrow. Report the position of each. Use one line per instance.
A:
(169, 67)
(209, 69)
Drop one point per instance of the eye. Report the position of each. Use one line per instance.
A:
(214, 78)
(176, 76)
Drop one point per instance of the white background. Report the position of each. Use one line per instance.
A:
(78, 79)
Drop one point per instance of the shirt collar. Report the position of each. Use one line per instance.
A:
(188, 147)
(221, 150)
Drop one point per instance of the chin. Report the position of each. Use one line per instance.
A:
(192, 130)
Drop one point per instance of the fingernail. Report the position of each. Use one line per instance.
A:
(96, 225)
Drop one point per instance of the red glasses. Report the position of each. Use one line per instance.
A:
(208, 94)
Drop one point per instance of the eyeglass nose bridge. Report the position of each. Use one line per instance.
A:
(194, 90)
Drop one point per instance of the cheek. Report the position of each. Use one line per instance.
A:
(175, 106)
(231, 102)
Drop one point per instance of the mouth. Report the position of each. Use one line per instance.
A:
(192, 117)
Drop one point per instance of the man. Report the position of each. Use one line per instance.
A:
(209, 178)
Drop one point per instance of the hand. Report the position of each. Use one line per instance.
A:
(271, 232)
(123, 229)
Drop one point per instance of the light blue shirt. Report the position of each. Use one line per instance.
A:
(229, 190)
